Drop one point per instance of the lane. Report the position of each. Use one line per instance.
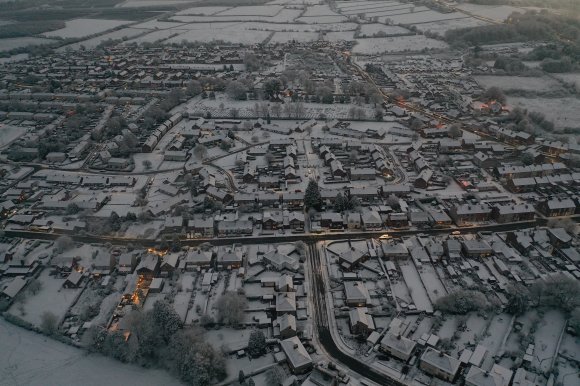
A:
(306, 237)
(322, 323)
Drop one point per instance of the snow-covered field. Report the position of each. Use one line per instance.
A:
(390, 30)
(413, 43)
(253, 10)
(319, 10)
(156, 24)
(206, 11)
(442, 26)
(499, 13)
(284, 37)
(322, 19)
(151, 3)
(125, 33)
(27, 358)
(338, 36)
(157, 36)
(12, 43)
(420, 16)
(9, 133)
(542, 84)
(226, 34)
(564, 112)
(53, 298)
(570, 79)
(284, 16)
(78, 28)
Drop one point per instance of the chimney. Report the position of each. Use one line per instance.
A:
(295, 346)
(441, 354)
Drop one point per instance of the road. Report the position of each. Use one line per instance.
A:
(322, 323)
(263, 239)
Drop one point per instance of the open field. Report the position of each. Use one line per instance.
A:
(564, 112)
(125, 33)
(396, 44)
(283, 37)
(12, 43)
(442, 26)
(389, 30)
(10, 133)
(53, 298)
(153, 3)
(27, 358)
(507, 83)
(499, 13)
(79, 28)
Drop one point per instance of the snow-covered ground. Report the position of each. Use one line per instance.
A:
(9, 133)
(27, 358)
(52, 298)
(78, 28)
(12, 43)
(525, 83)
(564, 112)
(372, 46)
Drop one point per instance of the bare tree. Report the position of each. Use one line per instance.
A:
(230, 308)
(63, 243)
(200, 152)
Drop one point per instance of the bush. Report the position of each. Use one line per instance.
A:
(49, 323)
(462, 302)
(257, 344)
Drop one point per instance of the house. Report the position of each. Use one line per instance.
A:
(557, 207)
(203, 226)
(230, 258)
(422, 181)
(419, 218)
(298, 358)
(371, 220)
(127, 263)
(296, 221)
(485, 161)
(103, 264)
(478, 377)
(398, 220)
(356, 294)
(197, 258)
(398, 346)
(353, 220)
(272, 219)
(331, 220)
(352, 257)
(285, 326)
(464, 214)
(117, 163)
(285, 284)
(281, 261)
(285, 303)
(513, 213)
(361, 323)
(12, 289)
(169, 264)
(156, 285)
(439, 364)
(476, 248)
(235, 228)
(173, 224)
(175, 155)
(439, 219)
(148, 266)
(73, 280)
(358, 174)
